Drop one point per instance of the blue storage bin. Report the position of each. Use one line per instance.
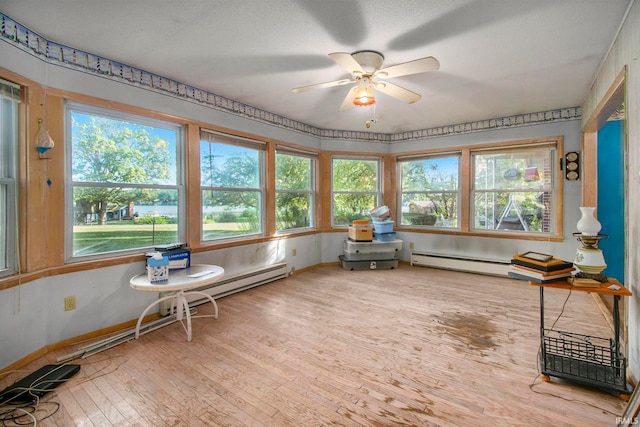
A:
(383, 227)
(386, 237)
(380, 212)
(379, 220)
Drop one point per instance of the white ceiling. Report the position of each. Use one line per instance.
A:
(497, 57)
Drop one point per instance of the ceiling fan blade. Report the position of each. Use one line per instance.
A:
(346, 61)
(322, 85)
(348, 100)
(397, 92)
(417, 66)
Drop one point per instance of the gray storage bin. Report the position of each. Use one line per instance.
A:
(374, 246)
(387, 264)
(372, 256)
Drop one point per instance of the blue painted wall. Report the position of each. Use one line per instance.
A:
(611, 208)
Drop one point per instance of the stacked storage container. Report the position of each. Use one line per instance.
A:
(382, 224)
(361, 231)
(378, 253)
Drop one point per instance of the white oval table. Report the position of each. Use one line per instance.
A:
(182, 283)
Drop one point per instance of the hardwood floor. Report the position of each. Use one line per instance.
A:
(412, 346)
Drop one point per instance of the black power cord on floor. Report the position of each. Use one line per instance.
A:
(34, 409)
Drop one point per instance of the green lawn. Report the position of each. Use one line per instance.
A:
(90, 240)
(93, 239)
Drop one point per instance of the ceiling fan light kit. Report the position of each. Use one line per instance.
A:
(364, 95)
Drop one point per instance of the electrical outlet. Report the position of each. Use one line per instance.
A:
(411, 245)
(69, 303)
(294, 252)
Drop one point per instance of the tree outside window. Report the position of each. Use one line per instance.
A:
(429, 191)
(294, 190)
(125, 181)
(355, 189)
(231, 181)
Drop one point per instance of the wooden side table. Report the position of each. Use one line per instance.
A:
(182, 283)
(589, 360)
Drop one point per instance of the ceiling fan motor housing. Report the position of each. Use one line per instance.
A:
(370, 60)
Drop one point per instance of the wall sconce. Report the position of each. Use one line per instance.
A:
(44, 142)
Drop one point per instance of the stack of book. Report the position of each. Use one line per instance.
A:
(539, 268)
(583, 282)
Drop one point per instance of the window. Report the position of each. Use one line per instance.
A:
(514, 188)
(9, 100)
(429, 191)
(355, 189)
(232, 185)
(295, 185)
(125, 187)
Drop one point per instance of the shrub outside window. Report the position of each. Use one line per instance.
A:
(125, 188)
(355, 189)
(429, 192)
(514, 189)
(294, 189)
(9, 100)
(232, 185)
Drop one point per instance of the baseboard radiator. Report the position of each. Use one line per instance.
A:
(233, 284)
(461, 263)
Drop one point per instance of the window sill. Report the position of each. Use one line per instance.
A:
(492, 234)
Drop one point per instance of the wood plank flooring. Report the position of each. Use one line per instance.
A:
(407, 347)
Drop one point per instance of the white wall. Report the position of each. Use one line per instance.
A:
(32, 314)
(626, 52)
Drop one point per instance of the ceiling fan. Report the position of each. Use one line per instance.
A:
(365, 69)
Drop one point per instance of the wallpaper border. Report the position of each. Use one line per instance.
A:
(54, 53)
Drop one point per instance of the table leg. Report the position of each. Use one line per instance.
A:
(542, 309)
(209, 297)
(543, 351)
(182, 309)
(158, 301)
(616, 322)
(184, 305)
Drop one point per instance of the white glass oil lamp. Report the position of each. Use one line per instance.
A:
(589, 259)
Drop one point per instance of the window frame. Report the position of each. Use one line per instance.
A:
(378, 193)
(214, 137)
(11, 96)
(405, 159)
(138, 120)
(311, 191)
(466, 183)
(552, 189)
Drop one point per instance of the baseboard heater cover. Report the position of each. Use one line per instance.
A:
(237, 283)
(461, 263)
